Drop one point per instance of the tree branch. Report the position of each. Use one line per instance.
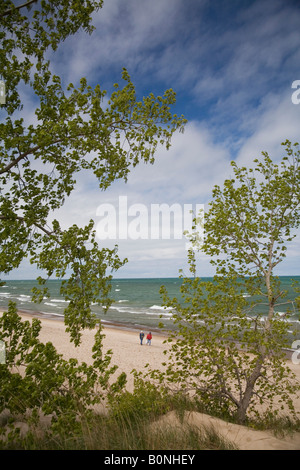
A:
(24, 155)
(17, 160)
(22, 220)
(27, 4)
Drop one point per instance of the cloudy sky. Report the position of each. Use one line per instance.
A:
(232, 64)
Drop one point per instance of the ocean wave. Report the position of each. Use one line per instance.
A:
(159, 307)
(136, 301)
(55, 314)
(23, 298)
(160, 314)
(140, 312)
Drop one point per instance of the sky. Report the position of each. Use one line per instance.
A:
(232, 65)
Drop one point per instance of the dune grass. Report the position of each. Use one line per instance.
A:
(134, 421)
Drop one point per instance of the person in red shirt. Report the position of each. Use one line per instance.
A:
(149, 337)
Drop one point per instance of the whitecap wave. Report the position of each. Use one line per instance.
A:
(159, 307)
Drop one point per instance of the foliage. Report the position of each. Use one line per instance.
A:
(133, 421)
(146, 402)
(36, 380)
(73, 130)
(107, 434)
(224, 350)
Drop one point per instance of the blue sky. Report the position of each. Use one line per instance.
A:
(232, 64)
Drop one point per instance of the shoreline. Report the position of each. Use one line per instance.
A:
(128, 354)
(52, 324)
(105, 323)
(123, 341)
(109, 324)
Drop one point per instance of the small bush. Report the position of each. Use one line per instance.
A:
(145, 403)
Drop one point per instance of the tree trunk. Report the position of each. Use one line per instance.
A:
(246, 399)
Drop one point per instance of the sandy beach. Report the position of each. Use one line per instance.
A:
(128, 354)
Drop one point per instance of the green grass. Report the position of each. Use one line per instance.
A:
(135, 421)
(107, 433)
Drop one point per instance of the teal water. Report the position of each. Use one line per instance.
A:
(137, 302)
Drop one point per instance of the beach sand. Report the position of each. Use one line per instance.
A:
(128, 354)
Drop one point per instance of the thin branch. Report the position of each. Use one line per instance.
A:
(24, 155)
(22, 220)
(11, 10)
(17, 160)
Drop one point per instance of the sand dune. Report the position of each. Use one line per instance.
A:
(128, 354)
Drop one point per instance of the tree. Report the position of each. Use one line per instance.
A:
(37, 381)
(246, 230)
(73, 131)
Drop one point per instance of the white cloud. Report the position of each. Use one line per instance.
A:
(277, 120)
(233, 79)
(185, 173)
